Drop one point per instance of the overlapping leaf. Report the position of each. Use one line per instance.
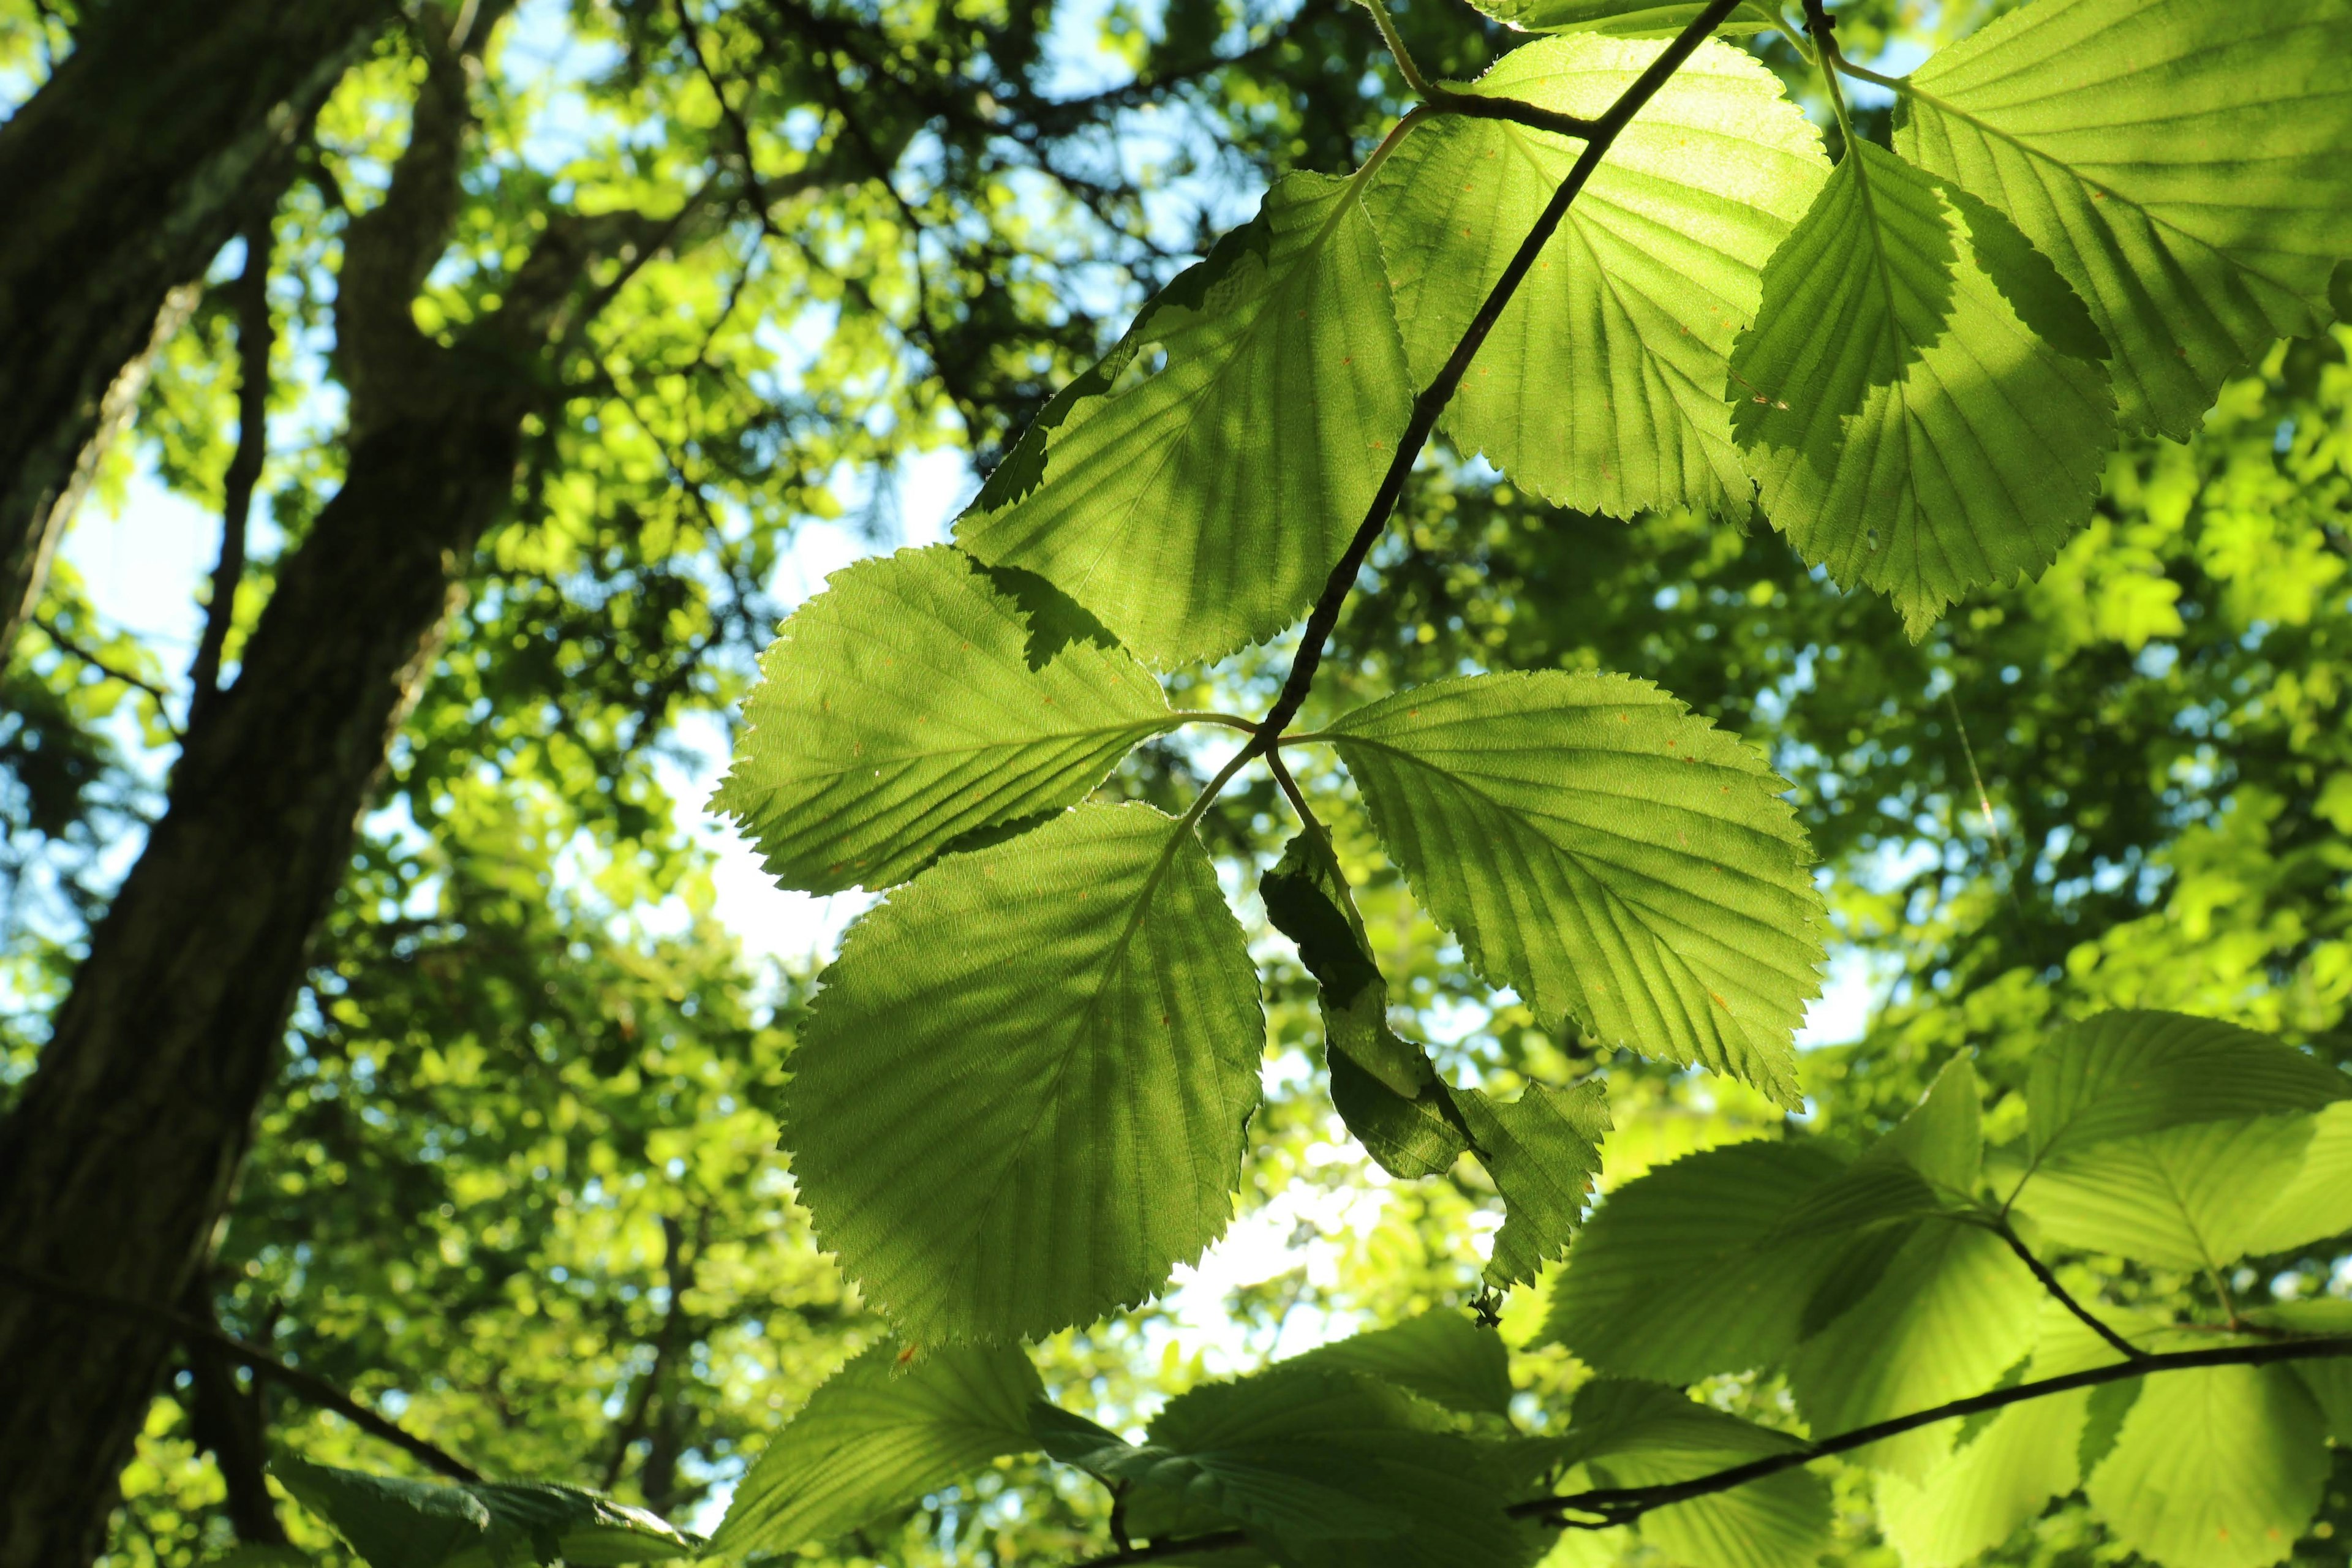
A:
(920, 698)
(1619, 861)
(1601, 386)
(1950, 430)
(1195, 488)
(1018, 1100)
(1439, 1355)
(1542, 1149)
(2194, 186)
(2214, 1468)
(2189, 1198)
(875, 1437)
(392, 1523)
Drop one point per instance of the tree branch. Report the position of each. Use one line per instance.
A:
(1619, 1505)
(250, 297)
(307, 1386)
(67, 643)
(2063, 1297)
(1603, 134)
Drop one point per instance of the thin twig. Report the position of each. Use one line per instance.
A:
(250, 296)
(2063, 1296)
(307, 1386)
(67, 643)
(1434, 398)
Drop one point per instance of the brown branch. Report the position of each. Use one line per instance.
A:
(307, 1386)
(249, 295)
(1440, 390)
(2063, 1296)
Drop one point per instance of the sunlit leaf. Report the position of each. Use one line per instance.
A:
(1625, 18)
(2214, 1468)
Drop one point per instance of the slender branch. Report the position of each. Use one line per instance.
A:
(307, 1386)
(1289, 786)
(250, 297)
(67, 643)
(2064, 1298)
(1210, 716)
(1434, 398)
(1617, 1505)
(1414, 78)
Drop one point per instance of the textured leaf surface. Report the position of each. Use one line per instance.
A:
(1953, 1311)
(2189, 1198)
(2215, 1468)
(915, 700)
(1637, 1433)
(1269, 1452)
(1018, 1100)
(2329, 1380)
(2127, 1073)
(2195, 187)
(1951, 431)
(1619, 861)
(1622, 18)
(1197, 504)
(875, 1437)
(393, 1523)
(1678, 1276)
(2007, 1472)
(2317, 1201)
(1439, 1355)
(1543, 1149)
(1600, 386)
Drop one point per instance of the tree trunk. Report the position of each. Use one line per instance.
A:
(117, 1164)
(121, 178)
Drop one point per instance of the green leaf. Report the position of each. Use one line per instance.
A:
(1630, 1433)
(2124, 1074)
(2214, 1468)
(1952, 429)
(2007, 1472)
(2195, 187)
(393, 1523)
(1543, 1150)
(1326, 1468)
(1198, 504)
(1678, 1275)
(1600, 386)
(2189, 1198)
(1623, 18)
(1439, 1355)
(1018, 1100)
(2316, 1204)
(919, 697)
(1617, 860)
(876, 1436)
(1953, 1311)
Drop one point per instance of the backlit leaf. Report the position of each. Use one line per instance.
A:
(1440, 1355)
(1600, 386)
(392, 1523)
(1951, 430)
(1635, 1434)
(2194, 186)
(1619, 861)
(2188, 1197)
(917, 699)
(1018, 1100)
(1195, 488)
(876, 1436)
(2215, 1468)
(1623, 18)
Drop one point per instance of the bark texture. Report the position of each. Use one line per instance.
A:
(121, 178)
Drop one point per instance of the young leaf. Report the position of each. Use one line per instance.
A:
(1630, 1433)
(1439, 1355)
(396, 1523)
(1197, 505)
(1623, 18)
(1953, 1311)
(2195, 187)
(1018, 1100)
(2124, 1074)
(1617, 860)
(2215, 1468)
(876, 1436)
(1542, 1149)
(919, 697)
(1679, 1275)
(1601, 387)
(2006, 1473)
(1950, 431)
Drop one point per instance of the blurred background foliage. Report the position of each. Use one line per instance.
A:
(516, 1187)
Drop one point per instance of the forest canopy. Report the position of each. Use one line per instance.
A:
(1023, 782)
